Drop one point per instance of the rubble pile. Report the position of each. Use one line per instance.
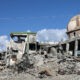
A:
(69, 66)
(42, 67)
(39, 65)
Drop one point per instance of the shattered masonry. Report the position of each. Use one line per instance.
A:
(41, 59)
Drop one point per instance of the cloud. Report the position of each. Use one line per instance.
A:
(28, 31)
(42, 35)
(3, 42)
(51, 35)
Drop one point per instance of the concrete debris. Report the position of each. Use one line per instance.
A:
(26, 56)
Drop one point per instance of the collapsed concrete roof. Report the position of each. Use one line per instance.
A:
(21, 33)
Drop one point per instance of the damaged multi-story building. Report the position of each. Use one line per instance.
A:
(21, 43)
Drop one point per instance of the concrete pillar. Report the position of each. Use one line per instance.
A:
(27, 50)
(76, 48)
(67, 47)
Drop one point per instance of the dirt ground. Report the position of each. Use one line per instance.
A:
(30, 77)
(7, 75)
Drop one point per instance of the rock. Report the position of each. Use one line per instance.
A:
(39, 60)
(46, 72)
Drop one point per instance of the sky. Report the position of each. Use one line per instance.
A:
(41, 16)
(35, 15)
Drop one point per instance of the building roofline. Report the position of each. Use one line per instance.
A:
(21, 33)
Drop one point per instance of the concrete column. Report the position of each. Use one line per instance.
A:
(27, 43)
(76, 48)
(67, 47)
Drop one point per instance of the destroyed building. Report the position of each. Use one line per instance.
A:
(72, 44)
(25, 42)
(20, 43)
(49, 58)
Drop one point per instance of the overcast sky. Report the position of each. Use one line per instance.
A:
(43, 16)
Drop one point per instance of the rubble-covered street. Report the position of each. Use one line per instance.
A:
(67, 68)
(51, 70)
